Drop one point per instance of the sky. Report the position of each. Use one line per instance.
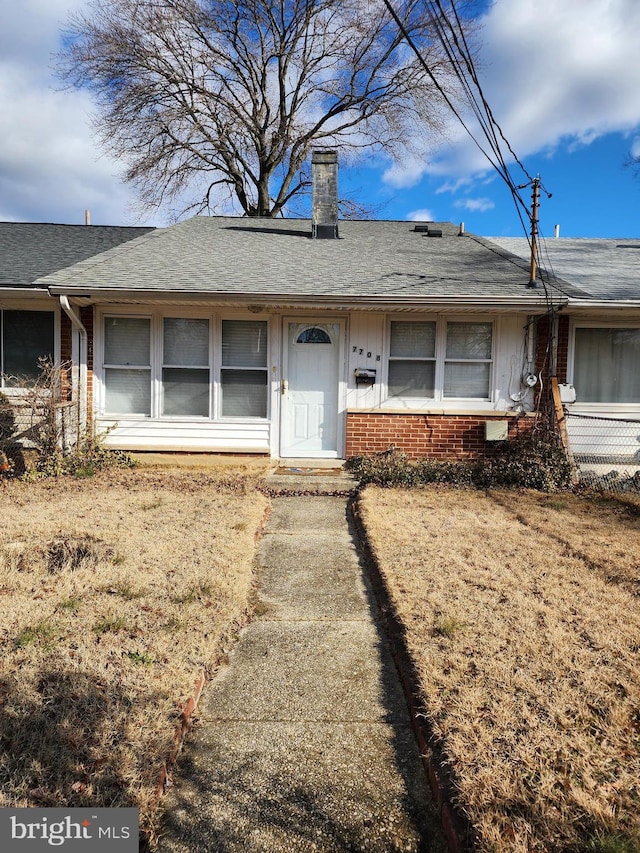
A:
(562, 78)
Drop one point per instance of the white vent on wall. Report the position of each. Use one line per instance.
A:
(496, 430)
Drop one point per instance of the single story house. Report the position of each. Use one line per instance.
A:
(302, 338)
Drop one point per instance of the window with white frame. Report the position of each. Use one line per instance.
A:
(605, 365)
(412, 359)
(243, 376)
(440, 359)
(127, 365)
(184, 367)
(26, 337)
(467, 364)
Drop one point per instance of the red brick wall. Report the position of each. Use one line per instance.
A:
(436, 436)
(86, 316)
(542, 339)
(563, 347)
(66, 331)
(65, 354)
(65, 338)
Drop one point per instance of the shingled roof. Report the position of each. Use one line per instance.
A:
(605, 269)
(277, 258)
(30, 250)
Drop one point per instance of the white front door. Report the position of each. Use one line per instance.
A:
(310, 389)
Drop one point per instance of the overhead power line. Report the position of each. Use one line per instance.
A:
(451, 35)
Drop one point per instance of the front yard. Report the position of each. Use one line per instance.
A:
(521, 614)
(115, 592)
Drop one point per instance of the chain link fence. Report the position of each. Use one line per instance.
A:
(606, 451)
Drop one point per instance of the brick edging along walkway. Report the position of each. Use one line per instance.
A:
(457, 829)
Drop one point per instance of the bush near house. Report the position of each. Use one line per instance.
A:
(52, 442)
(7, 430)
(527, 461)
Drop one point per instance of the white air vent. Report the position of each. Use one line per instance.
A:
(496, 430)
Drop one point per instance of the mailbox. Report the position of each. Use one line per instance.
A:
(364, 376)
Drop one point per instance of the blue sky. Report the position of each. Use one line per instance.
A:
(593, 194)
(562, 78)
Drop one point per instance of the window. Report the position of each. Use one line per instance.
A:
(313, 335)
(243, 376)
(165, 367)
(412, 360)
(606, 365)
(439, 359)
(25, 338)
(467, 365)
(185, 368)
(127, 364)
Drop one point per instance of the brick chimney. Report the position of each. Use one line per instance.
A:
(324, 200)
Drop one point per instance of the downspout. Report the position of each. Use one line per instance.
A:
(82, 359)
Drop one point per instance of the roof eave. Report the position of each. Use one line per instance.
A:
(21, 291)
(604, 303)
(527, 301)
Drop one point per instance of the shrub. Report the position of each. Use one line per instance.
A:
(84, 459)
(526, 462)
(7, 420)
(7, 431)
(51, 414)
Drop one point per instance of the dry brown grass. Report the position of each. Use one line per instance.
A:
(114, 591)
(521, 619)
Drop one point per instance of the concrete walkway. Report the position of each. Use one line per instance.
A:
(303, 741)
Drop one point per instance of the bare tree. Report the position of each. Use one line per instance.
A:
(217, 102)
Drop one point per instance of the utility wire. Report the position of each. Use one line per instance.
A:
(466, 55)
(451, 35)
(454, 43)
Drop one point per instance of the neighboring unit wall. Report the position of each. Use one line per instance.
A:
(543, 345)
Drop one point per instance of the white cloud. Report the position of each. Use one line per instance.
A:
(475, 205)
(405, 174)
(555, 74)
(422, 215)
(50, 167)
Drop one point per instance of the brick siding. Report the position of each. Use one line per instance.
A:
(437, 436)
(542, 340)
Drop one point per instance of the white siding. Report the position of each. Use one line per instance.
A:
(179, 435)
(366, 336)
(606, 437)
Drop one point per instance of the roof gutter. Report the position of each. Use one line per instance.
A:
(329, 299)
(13, 292)
(602, 303)
(83, 358)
